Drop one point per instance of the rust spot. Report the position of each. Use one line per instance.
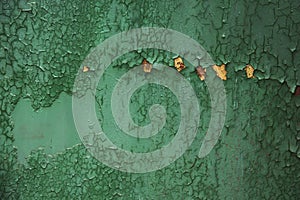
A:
(297, 91)
(147, 67)
(201, 72)
(85, 69)
(249, 71)
(178, 63)
(221, 71)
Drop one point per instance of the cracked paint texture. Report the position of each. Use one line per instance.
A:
(258, 154)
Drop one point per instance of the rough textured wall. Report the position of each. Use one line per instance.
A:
(257, 157)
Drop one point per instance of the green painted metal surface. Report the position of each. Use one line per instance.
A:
(43, 44)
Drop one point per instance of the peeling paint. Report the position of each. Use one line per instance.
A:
(43, 44)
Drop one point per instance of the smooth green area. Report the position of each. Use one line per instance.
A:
(50, 128)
